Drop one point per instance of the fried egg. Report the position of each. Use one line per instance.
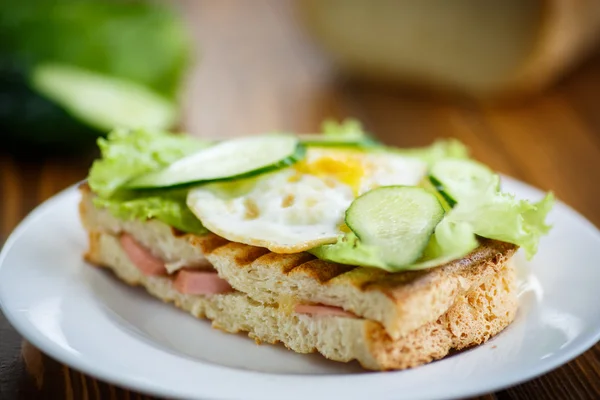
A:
(302, 206)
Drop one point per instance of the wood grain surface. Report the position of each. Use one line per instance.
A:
(258, 71)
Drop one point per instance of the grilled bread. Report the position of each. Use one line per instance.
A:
(473, 317)
(396, 301)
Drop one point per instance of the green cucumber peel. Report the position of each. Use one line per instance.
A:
(228, 160)
(390, 228)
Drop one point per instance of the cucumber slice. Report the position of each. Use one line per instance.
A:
(428, 185)
(103, 102)
(230, 159)
(455, 178)
(398, 220)
(31, 121)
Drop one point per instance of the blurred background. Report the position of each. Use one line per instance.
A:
(518, 81)
(71, 70)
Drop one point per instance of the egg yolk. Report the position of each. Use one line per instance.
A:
(345, 167)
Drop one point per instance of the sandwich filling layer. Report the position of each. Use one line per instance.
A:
(331, 242)
(472, 319)
(196, 282)
(400, 302)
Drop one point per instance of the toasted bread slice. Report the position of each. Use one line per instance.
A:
(401, 302)
(176, 248)
(472, 318)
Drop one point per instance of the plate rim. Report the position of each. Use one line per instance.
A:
(48, 347)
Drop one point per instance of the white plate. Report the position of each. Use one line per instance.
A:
(84, 317)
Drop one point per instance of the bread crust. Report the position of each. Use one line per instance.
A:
(401, 302)
(472, 319)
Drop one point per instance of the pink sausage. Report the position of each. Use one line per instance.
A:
(145, 261)
(200, 283)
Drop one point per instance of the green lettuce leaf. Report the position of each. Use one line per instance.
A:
(441, 148)
(350, 250)
(167, 206)
(348, 128)
(489, 213)
(451, 241)
(500, 216)
(438, 150)
(349, 132)
(126, 154)
(352, 130)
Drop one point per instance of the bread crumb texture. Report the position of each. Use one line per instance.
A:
(475, 315)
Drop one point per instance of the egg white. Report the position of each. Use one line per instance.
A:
(302, 206)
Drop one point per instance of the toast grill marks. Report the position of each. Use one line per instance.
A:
(286, 262)
(490, 253)
(207, 243)
(472, 319)
(401, 302)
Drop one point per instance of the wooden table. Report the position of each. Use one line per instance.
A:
(266, 75)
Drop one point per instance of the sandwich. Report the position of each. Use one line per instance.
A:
(331, 242)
